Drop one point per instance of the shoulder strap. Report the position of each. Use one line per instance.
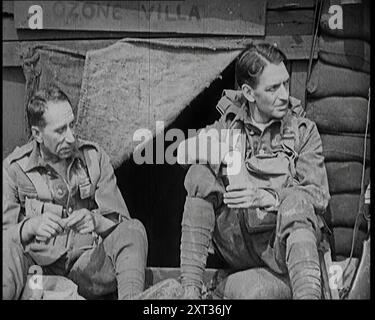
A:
(40, 185)
(228, 99)
(290, 138)
(296, 107)
(92, 163)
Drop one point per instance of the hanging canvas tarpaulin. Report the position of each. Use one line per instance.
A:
(134, 83)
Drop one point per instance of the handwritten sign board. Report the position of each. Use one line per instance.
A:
(238, 17)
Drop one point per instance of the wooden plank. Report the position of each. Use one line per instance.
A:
(290, 16)
(295, 47)
(298, 79)
(291, 22)
(290, 4)
(241, 17)
(11, 56)
(8, 7)
(42, 35)
(14, 115)
(9, 31)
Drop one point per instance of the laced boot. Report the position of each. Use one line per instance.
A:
(197, 226)
(303, 265)
(192, 293)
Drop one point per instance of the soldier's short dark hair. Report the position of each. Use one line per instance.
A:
(38, 104)
(251, 62)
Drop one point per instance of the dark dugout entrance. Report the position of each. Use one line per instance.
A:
(155, 193)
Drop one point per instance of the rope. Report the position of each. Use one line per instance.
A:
(317, 17)
(361, 198)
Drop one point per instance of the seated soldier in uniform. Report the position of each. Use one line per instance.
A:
(63, 211)
(269, 213)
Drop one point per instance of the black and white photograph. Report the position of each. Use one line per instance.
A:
(177, 151)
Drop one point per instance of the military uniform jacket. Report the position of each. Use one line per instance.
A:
(292, 144)
(31, 186)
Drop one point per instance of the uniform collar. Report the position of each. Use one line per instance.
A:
(243, 115)
(36, 160)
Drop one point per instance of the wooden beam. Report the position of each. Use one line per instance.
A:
(239, 17)
(298, 80)
(295, 47)
(9, 31)
(11, 56)
(291, 22)
(290, 4)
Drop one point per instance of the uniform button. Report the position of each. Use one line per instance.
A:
(252, 132)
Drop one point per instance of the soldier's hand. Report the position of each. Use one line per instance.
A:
(241, 196)
(46, 226)
(246, 196)
(81, 221)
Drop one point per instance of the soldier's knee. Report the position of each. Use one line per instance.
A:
(198, 212)
(295, 201)
(296, 206)
(258, 283)
(297, 212)
(134, 229)
(199, 181)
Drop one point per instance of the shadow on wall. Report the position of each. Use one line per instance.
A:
(14, 115)
(155, 194)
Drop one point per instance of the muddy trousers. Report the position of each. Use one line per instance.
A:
(288, 247)
(116, 263)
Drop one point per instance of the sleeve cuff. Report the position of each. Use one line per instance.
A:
(274, 193)
(14, 232)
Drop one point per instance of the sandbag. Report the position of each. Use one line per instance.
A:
(328, 80)
(338, 114)
(52, 288)
(345, 148)
(257, 283)
(342, 211)
(342, 238)
(347, 53)
(345, 177)
(356, 20)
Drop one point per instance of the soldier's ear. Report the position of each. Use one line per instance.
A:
(37, 134)
(248, 92)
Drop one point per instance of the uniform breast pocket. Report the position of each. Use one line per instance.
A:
(26, 192)
(87, 191)
(33, 207)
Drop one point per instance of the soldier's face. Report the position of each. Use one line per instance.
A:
(57, 136)
(271, 95)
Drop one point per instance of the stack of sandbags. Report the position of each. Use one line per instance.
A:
(337, 100)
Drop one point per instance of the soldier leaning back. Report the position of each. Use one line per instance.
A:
(269, 215)
(63, 211)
